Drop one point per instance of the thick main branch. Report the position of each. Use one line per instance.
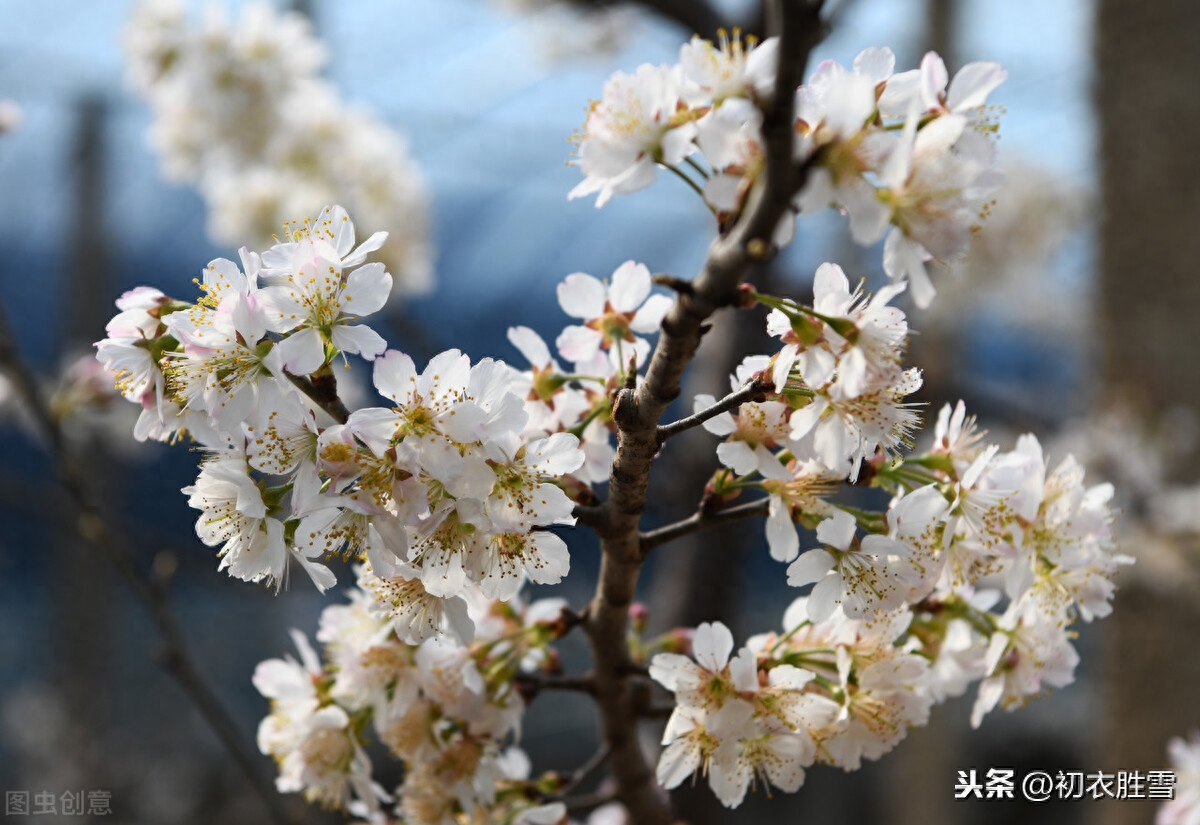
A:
(637, 413)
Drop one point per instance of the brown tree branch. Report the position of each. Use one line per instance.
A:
(94, 528)
(730, 402)
(321, 387)
(702, 520)
(636, 413)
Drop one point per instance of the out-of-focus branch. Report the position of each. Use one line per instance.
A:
(637, 411)
(697, 16)
(533, 683)
(93, 526)
(702, 520)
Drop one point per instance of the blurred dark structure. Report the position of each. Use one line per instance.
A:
(1148, 65)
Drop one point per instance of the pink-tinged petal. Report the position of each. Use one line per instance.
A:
(530, 345)
(376, 426)
(446, 375)
(782, 539)
(464, 422)
(248, 316)
(302, 352)
(812, 566)
(824, 599)
(579, 343)
(360, 340)
(850, 108)
(283, 306)
(900, 92)
(649, 318)
(367, 290)
(395, 376)
(712, 645)
(934, 78)
(837, 530)
(675, 672)
(582, 296)
(831, 288)
(630, 286)
(875, 64)
(224, 270)
(972, 85)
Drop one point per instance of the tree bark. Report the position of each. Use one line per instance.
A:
(638, 410)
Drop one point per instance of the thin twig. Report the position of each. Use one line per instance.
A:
(702, 520)
(533, 683)
(589, 515)
(94, 528)
(581, 773)
(732, 401)
(590, 800)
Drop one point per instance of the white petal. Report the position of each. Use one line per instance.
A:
(837, 530)
(782, 540)
(582, 296)
(359, 340)
(367, 290)
(824, 598)
(630, 286)
(712, 645)
(812, 566)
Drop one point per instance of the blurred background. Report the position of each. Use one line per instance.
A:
(1074, 317)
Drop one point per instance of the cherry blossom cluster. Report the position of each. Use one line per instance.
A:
(904, 154)
(974, 573)
(443, 494)
(450, 494)
(448, 712)
(241, 112)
